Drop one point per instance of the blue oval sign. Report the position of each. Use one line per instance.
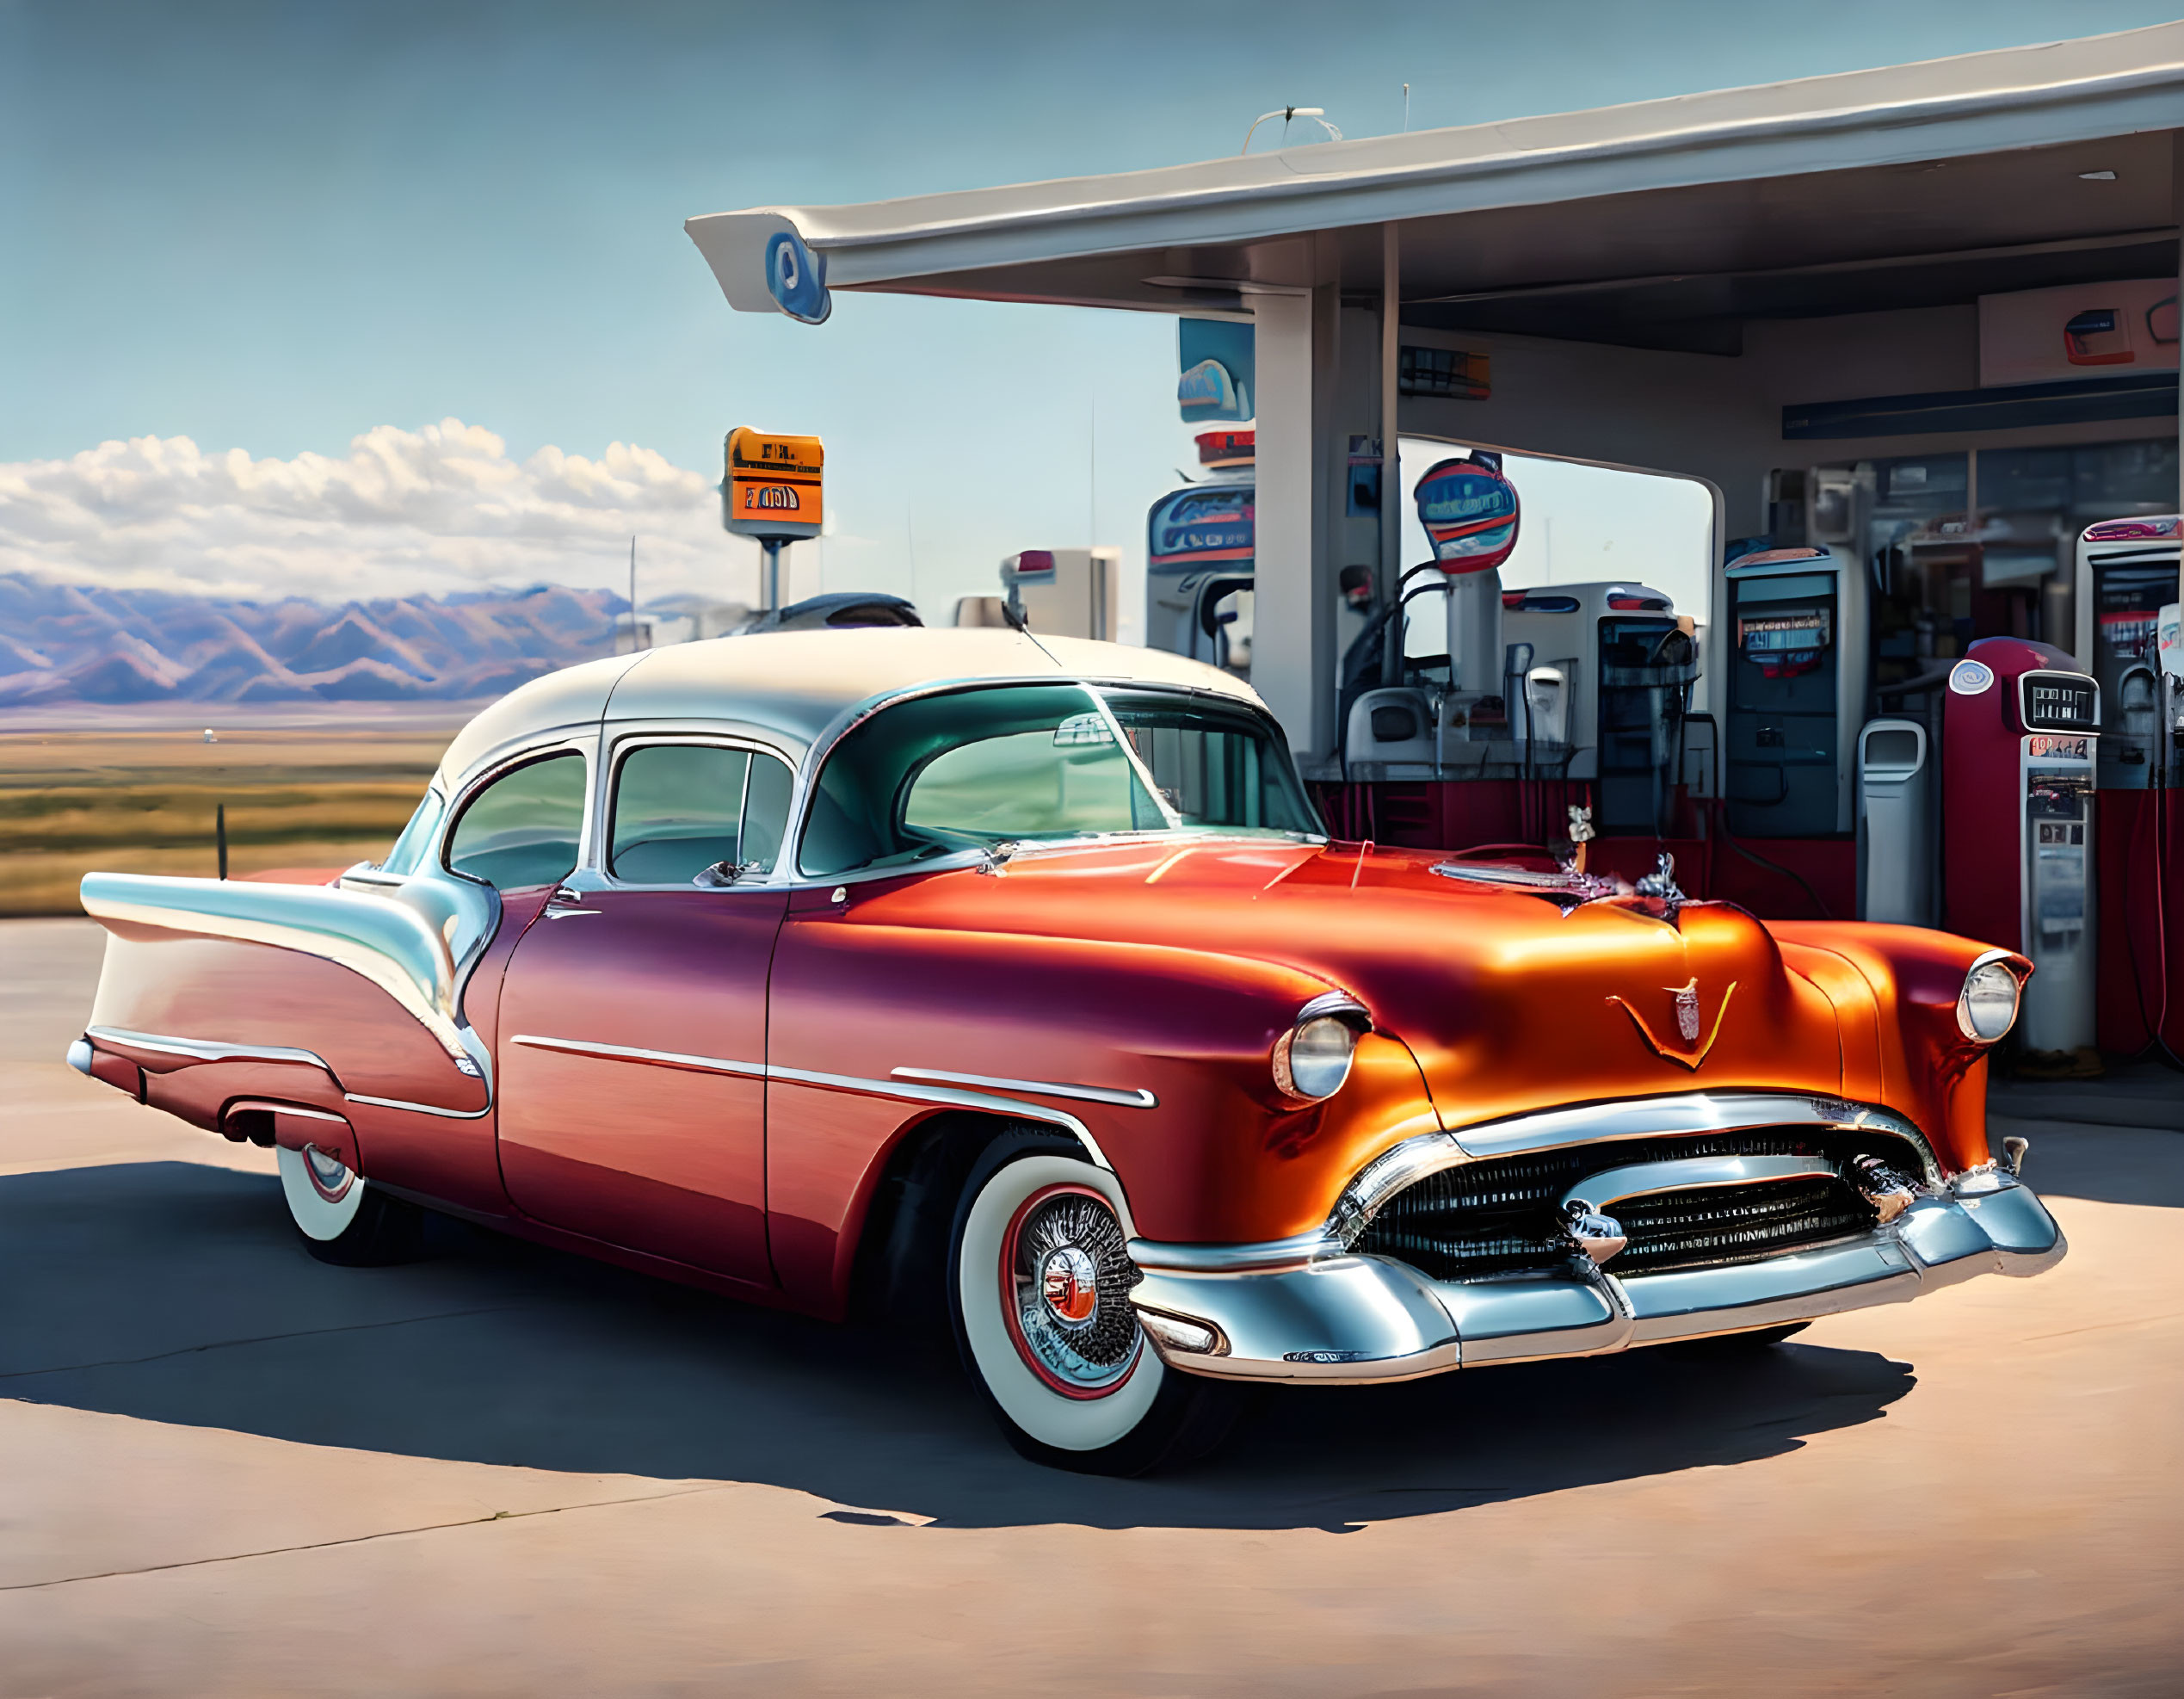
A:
(1470, 511)
(1202, 525)
(797, 278)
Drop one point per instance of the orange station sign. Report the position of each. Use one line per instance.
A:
(773, 487)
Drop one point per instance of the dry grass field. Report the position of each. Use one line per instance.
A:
(129, 796)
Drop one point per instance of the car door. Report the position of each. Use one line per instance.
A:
(633, 1016)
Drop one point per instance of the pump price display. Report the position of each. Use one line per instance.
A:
(1780, 633)
(2059, 702)
(774, 486)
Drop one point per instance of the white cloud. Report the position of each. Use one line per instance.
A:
(432, 510)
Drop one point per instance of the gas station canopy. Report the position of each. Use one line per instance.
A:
(1701, 286)
(1663, 224)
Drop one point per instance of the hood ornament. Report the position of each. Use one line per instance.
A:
(1660, 884)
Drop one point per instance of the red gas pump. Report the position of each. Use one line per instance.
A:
(2019, 737)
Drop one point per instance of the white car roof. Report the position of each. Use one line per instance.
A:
(790, 686)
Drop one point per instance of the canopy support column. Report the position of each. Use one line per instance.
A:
(1286, 612)
(1390, 395)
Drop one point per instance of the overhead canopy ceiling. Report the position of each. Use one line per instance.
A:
(1683, 268)
(1664, 224)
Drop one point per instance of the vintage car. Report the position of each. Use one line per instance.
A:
(1017, 978)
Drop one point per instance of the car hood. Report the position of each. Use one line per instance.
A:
(1510, 999)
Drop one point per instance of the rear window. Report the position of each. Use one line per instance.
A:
(523, 830)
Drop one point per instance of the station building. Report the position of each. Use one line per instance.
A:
(1914, 329)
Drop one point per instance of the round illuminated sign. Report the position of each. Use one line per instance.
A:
(1469, 510)
(1971, 678)
(797, 278)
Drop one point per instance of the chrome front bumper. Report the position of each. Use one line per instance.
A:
(1356, 1318)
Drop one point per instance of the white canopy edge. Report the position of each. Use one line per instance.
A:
(2014, 97)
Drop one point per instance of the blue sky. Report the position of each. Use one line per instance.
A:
(275, 227)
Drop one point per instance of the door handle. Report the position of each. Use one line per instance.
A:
(564, 903)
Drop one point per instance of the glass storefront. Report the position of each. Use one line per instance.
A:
(1964, 545)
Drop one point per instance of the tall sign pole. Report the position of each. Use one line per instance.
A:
(773, 491)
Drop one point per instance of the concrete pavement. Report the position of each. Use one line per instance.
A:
(224, 1467)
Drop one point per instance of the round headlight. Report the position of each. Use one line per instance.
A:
(1312, 1059)
(1987, 1006)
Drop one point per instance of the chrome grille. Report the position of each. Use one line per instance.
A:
(1499, 1216)
(1699, 1229)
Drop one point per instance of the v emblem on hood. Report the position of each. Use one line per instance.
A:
(1685, 1005)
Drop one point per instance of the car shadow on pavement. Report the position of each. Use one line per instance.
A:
(177, 1292)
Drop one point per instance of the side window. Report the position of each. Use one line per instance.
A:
(523, 828)
(680, 809)
(766, 808)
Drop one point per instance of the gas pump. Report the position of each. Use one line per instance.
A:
(2126, 573)
(1450, 710)
(1199, 574)
(1610, 677)
(2020, 732)
(1795, 626)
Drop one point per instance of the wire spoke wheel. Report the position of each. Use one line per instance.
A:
(1038, 1285)
(1066, 1280)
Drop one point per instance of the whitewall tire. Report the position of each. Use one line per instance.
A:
(1039, 1288)
(341, 1217)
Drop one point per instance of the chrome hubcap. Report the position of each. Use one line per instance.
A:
(1071, 1286)
(1068, 1280)
(329, 1173)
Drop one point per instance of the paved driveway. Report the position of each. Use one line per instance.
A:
(226, 1468)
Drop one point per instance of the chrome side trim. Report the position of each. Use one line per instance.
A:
(203, 1050)
(1697, 1173)
(1138, 1098)
(955, 1098)
(830, 1082)
(285, 1108)
(419, 1109)
(623, 1052)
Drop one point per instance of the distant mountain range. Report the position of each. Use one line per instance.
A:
(63, 643)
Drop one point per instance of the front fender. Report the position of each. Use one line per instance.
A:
(1927, 1068)
(1216, 1155)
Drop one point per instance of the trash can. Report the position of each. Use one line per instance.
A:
(1895, 824)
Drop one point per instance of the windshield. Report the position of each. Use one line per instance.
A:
(1011, 762)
